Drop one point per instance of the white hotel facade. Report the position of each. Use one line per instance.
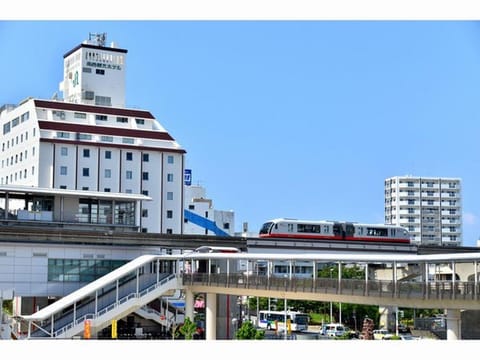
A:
(430, 208)
(90, 142)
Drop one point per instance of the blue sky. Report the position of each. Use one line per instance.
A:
(302, 119)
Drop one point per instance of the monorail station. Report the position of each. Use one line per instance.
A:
(137, 283)
(81, 209)
(63, 270)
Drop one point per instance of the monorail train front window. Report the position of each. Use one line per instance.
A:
(377, 232)
(266, 228)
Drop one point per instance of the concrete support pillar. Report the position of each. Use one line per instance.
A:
(454, 328)
(189, 302)
(211, 317)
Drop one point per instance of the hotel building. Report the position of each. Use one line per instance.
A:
(90, 142)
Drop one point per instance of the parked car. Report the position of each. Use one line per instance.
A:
(379, 334)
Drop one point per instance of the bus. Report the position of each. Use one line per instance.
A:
(275, 320)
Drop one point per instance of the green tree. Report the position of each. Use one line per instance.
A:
(188, 329)
(248, 332)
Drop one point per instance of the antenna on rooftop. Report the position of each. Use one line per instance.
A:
(99, 39)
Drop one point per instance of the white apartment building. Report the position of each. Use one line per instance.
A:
(429, 208)
(90, 142)
(201, 218)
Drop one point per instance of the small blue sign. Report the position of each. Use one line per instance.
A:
(187, 177)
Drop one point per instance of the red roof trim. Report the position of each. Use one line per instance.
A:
(104, 130)
(114, 146)
(93, 109)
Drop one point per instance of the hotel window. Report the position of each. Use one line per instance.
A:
(145, 192)
(140, 121)
(86, 172)
(107, 138)
(78, 115)
(103, 100)
(145, 157)
(101, 117)
(144, 212)
(62, 135)
(81, 136)
(106, 190)
(85, 188)
(25, 116)
(170, 159)
(129, 156)
(99, 71)
(63, 170)
(86, 153)
(170, 195)
(169, 214)
(145, 175)
(64, 151)
(121, 119)
(169, 177)
(6, 128)
(128, 140)
(63, 186)
(108, 154)
(108, 173)
(129, 175)
(58, 115)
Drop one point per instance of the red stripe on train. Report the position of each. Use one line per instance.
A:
(327, 237)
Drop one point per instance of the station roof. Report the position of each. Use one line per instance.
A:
(32, 190)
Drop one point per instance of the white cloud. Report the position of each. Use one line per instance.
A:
(469, 219)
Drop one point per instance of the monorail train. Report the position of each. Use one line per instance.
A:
(334, 230)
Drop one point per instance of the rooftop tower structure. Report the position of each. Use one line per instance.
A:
(94, 74)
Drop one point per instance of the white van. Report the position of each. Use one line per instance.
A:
(334, 329)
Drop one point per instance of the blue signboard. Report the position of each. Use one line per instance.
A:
(187, 177)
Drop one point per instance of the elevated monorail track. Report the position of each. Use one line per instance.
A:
(302, 245)
(65, 236)
(41, 234)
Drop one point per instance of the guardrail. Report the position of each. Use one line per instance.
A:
(440, 290)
